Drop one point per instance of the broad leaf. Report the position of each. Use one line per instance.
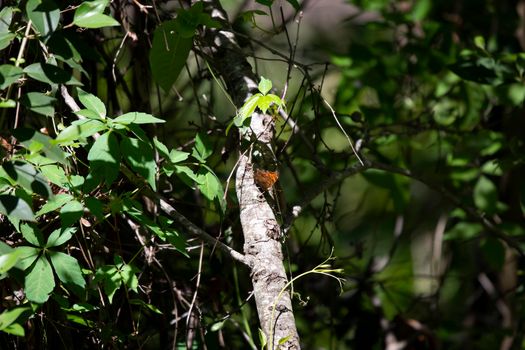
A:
(50, 74)
(92, 103)
(39, 281)
(139, 155)
(247, 109)
(67, 269)
(7, 261)
(168, 54)
(32, 234)
(265, 85)
(8, 317)
(55, 203)
(71, 213)
(79, 129)
(60, 236)
(178, 156)
(28, 177)
(30, 138)
(104, 157)
(39, 103)
(27, 256)
(202, 149)
(16, 208)
(485, 195)
(137, 118)
(266, 101)
(45, 15)
(9, 74)
(89, 15)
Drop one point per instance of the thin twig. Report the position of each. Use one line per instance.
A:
(343, 130)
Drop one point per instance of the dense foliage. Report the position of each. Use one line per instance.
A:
(400, 161)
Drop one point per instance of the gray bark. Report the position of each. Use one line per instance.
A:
(262, 233)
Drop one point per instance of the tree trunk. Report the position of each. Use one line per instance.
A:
(262, 233)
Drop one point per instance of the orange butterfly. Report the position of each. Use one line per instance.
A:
(265, 179)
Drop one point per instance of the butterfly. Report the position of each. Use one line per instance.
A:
(265, 179)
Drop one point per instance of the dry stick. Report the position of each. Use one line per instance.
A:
(17, 64)
(197, 284)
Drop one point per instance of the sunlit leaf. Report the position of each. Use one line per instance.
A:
(139, 155)
(67, 269)
(137, 118)
(89, 15)
(92, 103)
(9, 74)
(39, 103)
(45, 16)
(39, 281)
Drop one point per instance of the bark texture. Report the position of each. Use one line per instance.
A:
(262, 233)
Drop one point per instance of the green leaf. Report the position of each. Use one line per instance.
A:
(87, 113)
(145, 305)
(264, 102)
(32, 234)
(60, 236)
(92, 103)
(284, 339)
(50, 74)
(485, 195)
(9, 74)
(7, 103)
(79, 129)
(168, 54)
(53, 204)
(202, 149)
(265, 85)
(16, 208)
(217, 326)
(104, 157)
(67, 269)
(137, 118)
(113, 276)
(39, 103)
(28, 177)
(39, 281)
(5, 39)
(7, 261)
(27, 256)
(187, 175)
(6, 15)
(89, 15)
(247, 109)
(45, 16)
(161, 148)
(8, 317)
(30, 137)
(178, 156)
(95, 207)
(139, 155)
(55, 174)
(262, 338)
(209, 185)
(188, 20)
(71, 213)
(108, 274)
